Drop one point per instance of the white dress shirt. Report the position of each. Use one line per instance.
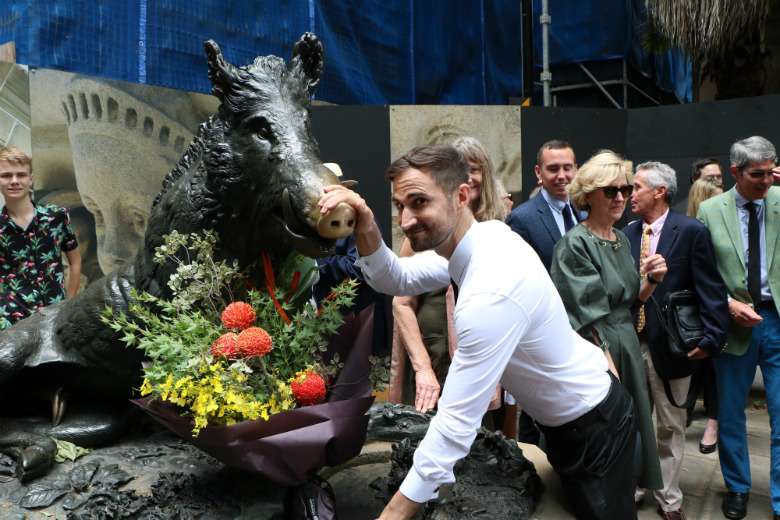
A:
(512, 327)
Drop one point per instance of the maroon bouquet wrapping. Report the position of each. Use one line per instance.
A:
(292, 446)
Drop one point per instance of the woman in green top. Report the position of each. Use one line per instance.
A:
(594, 273)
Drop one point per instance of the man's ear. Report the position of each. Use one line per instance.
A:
(734, 172)
(662, 191)
(464, 194)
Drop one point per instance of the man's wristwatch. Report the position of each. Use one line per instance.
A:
(652, 280)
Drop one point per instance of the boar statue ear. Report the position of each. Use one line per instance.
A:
(307, 60)
(221, 73)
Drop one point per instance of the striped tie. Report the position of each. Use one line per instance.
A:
(643, 250)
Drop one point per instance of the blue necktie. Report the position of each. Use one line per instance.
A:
(568, 221)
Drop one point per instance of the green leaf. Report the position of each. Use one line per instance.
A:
(68, 451)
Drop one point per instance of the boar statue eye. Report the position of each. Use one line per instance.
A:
(261, 128)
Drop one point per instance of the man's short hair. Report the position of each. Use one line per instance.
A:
(448, 167)
(16, 156)
(750, 150)
(660, 174)
(699, 164)
(553, 144)
(599, 171)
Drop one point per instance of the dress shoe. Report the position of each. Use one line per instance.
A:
(776, 517)
(735, 505)
(707, 448)
(673, 515)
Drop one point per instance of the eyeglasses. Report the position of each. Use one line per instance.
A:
(508, 196)
(759, 174)
(611, 192)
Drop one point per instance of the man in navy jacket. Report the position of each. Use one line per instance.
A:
(686, 245)
(544, 219)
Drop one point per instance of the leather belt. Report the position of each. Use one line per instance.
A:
(767, 305)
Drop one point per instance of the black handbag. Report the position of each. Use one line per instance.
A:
(683, 330)
(680, 321)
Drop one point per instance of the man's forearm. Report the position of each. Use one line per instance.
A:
(399, 508)
(369, 241)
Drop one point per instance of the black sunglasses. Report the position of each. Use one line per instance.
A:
(611, 192)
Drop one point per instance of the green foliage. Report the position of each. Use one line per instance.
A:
(177, 335)
(380, 372)
(68, 451)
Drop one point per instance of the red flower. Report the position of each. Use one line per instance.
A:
(238, 315)
(226, 345)
(308, 388)
(254, 341)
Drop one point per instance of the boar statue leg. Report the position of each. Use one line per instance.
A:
(65, 375)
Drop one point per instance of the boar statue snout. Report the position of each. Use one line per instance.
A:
(338, 222)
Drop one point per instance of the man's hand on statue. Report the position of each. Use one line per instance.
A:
(334, 195)
(744, 314)
(427, 390)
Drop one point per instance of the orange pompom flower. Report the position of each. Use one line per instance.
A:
(308, 388)
(226, 345)
(238, 316)
(254, 341)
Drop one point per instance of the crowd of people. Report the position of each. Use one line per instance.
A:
(545, 308)
(572, 337)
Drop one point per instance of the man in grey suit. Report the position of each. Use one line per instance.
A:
(543, 220)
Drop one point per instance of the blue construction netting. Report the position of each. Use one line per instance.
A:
(597, 30)
(377, 52)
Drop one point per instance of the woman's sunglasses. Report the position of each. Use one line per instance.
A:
(611, 192)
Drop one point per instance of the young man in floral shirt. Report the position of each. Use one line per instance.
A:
(32, 239)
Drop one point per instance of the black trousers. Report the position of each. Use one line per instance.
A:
(594, 456)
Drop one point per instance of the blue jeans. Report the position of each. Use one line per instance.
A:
(735, 375)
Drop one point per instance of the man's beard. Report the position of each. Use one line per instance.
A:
(434, 236)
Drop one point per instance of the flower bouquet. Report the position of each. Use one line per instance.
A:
(261, 379)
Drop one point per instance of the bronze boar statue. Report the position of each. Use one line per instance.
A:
(254, 175)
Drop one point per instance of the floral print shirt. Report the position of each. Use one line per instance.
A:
(31, 275)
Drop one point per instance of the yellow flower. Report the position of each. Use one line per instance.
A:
(146, 388)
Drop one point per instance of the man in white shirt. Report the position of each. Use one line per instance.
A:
(512, 328)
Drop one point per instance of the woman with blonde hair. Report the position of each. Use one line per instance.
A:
(423, 324)
(701, 190)
(594, 273)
